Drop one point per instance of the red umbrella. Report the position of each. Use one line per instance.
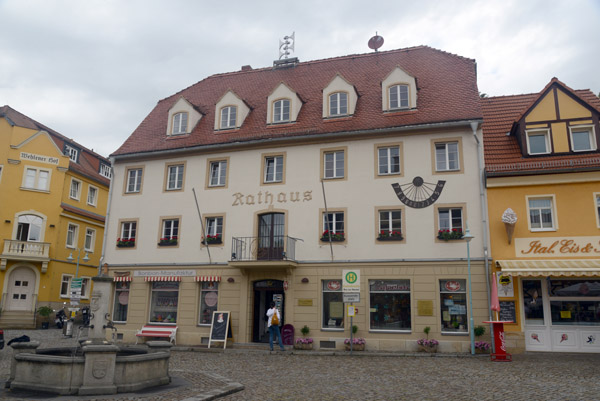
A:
(495, 304)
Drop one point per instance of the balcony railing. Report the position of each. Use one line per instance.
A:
(276, 247)
(25, 249)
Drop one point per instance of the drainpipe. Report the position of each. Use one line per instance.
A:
(110, 191)
(484, 218)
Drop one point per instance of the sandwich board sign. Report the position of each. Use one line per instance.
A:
(219, 328)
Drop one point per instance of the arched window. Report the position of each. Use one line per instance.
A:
(180, 121)
(29, 228)
(338, 104)
(281, 111)
(398, 97)
(228, 117)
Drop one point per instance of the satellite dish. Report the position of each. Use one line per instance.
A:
(375, 42)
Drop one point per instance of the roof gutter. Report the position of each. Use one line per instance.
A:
(284, 140)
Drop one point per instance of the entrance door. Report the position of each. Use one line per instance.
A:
(265, 292)
(271, 230)
(20, 289)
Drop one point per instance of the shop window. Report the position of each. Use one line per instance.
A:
(389, 160)
(453, 304)
(333, 305)
(533, 306)
(541, 214)
(163, 304)
(538, 142)
(389, 305)
(218, 173)
(209, 297)
(574, 302)
(121, 301)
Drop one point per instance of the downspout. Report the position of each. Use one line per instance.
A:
(484, 217)
(110, 191)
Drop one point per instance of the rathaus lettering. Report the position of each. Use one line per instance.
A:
(268, 198)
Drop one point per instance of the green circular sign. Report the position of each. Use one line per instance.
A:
(351, 277)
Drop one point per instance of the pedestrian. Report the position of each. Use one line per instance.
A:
(274, 321)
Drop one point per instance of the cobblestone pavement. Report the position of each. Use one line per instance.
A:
(365, 376)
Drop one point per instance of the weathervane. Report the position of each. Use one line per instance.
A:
(286, 45)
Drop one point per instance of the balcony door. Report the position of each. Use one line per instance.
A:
(29, 228)
(271, 231)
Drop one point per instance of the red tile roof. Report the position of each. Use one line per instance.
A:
(89, 161)
(502, 152)
(446, 84)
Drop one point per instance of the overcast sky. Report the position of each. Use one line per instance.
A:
(92, 70)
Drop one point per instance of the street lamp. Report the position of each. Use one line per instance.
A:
(468, 237)
(70, 258)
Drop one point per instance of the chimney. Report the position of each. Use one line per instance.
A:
(246, 68)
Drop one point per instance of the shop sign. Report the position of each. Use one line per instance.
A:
(452, 285)
(39, 158)
(557, 247)
(166, 273)
(334, 285)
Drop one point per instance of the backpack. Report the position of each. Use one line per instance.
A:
(275, 319)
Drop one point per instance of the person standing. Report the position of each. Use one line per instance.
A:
(274, 322)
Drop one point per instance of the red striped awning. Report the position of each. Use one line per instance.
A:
(123, 278)
(207, 278)
(162, 278)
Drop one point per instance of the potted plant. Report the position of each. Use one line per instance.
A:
(168, 241)
(125, 242)
(387, 235)
(358, 343)
(446, 235)
(427, 345)
(45, 311)
(304, 342)
(335, 237)
(212, 239)
(481, 347)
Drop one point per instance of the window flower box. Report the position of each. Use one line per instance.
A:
(335, 237)
(212, 239)
(453, 234)
(125, 242)
(168, 241)
(385, 235)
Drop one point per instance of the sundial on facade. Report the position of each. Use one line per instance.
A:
(418, 193)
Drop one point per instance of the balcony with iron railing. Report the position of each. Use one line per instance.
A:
(274, 248)
(26, 251)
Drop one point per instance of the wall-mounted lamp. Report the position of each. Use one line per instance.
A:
(7, 221)
(305, 280)
(51, 225)
(230, 280)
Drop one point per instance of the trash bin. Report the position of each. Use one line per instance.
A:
(68, 328)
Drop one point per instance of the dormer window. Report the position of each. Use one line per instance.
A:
(582, 139)
(399, 97)
(538, 142)
(338, 104)
(105, 171)
(180, 121)
(228, 117)
(281, 111)
(71, 152)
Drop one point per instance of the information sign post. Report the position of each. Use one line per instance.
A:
(351, 293)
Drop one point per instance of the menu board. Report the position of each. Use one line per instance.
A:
(507, 311)
(219, 327)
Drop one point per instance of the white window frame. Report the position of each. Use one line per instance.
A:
(73, 232)
(537, 132)
(92, 196)
(177, 183)
(281, 116)
(90, 239)
(337, 110)
(447, 152)
(65, 280)
(170, 229)
(334, 155)
(334, 221)
(388, 160)
(180, 122)
(399, 101)
(228, 117)
(75, 189)
(134, 178)
(221, 173)
(552, 209)
(213, 226)
(277, 173)
(71, 152)
(105, 171)
(390, 221)
(36, 185)
(591, 137)
(128, 227)
(451, 218)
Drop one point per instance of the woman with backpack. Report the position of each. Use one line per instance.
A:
(274, 322)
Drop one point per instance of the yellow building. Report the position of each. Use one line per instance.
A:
(53, 198)
(542, 163)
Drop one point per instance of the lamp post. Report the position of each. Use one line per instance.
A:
(468, 237)
(70, 258)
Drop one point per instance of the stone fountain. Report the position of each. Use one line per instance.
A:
(95, 367)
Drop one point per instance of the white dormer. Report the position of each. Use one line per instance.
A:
(230, 112)
(398, 91)
(339, 98)
(183, 117)
(283, 105)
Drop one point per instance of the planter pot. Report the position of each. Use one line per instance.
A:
(449, 239)
(325, 239)
(390, 238)
(212, 242)
(482, 351)
(45, 325)
(303, 346)
(167, 244)
(126, 245)
(430, 349)
(355, 347)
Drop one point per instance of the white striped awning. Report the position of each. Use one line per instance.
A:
(122, 278)
(546, 268)
(162, 278)
(207, 278)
